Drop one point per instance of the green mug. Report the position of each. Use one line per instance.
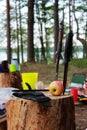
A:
(12, 68)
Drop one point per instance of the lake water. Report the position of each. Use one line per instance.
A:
(3, 55)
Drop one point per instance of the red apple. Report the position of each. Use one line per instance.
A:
(56, 88)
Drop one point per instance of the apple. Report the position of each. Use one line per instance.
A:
(56, 88)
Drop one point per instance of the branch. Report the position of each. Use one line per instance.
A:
(83, 41)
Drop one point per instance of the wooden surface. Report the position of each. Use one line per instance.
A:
(2, 118)
(3, 125)
(3, 122)
(30, 115)
(10, 80)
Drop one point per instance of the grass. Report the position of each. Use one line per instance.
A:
(80, 63)
(47, 73)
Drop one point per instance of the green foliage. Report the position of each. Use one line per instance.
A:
(80, 63)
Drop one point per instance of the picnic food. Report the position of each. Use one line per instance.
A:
(56, 88)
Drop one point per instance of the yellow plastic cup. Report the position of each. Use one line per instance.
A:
(30, 78)
(12, 68)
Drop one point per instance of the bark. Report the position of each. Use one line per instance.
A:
(11, 80)
(8, 32)
(56, 27)
(42, 43)
(21, 39)
(29, 115)
(30, 49)
(3, 124)
(83, 41)
(17, 32)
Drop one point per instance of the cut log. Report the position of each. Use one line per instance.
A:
(10, 80)
(29, 115)
(3, 123)
(3, 126)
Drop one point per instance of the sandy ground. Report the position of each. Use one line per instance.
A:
(81, 116)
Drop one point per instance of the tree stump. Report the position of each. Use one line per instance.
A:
(10, 80)
(3, 126)
(3, 123)
(29, 115)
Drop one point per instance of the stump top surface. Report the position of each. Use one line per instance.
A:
(57, 97)
(48, 94)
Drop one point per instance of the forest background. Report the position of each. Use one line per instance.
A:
(32, 26)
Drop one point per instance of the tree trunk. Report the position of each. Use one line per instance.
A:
(42, 43)
(56, 27)
(30, 49)
(8, 32)
(83, 41)
(17, 28)
(29, 115)
(21, 36)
